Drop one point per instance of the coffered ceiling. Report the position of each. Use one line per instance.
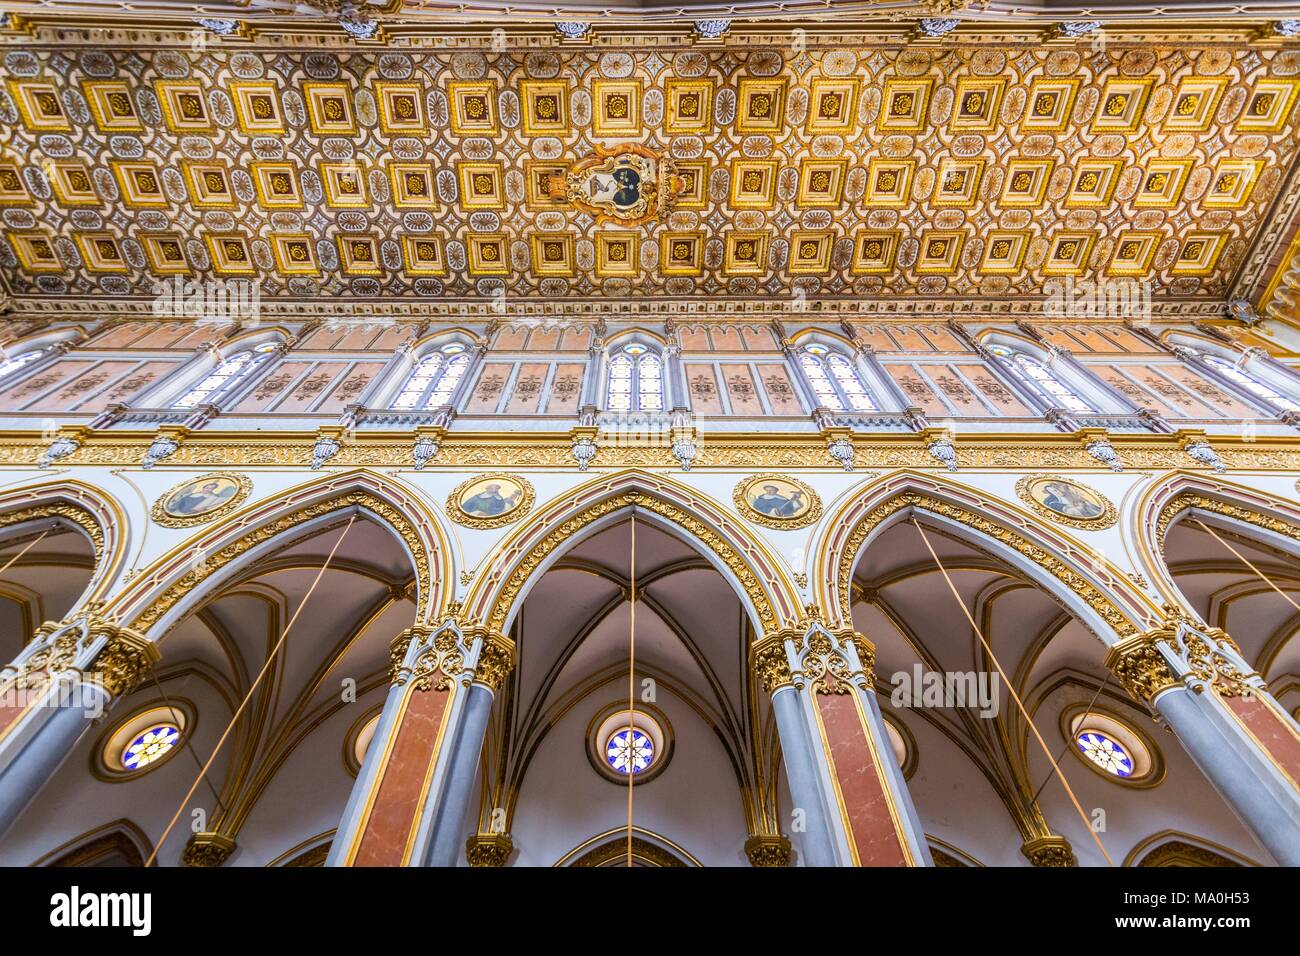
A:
(805, 169)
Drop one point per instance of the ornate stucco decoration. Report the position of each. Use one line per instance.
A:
(464, 509)
(808, 655)
(200, 571)
(627, 185)
(803, 510)
(122, 661)
(1106, 513)
(1182, 653)
(693, 526)
(82, 518)
(448, 654)
(439, 658)
(1191, 499)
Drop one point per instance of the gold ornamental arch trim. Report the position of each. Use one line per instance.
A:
(1205, 500)
(646, 498)
(100, 518)
(283, 524)
(1062, 570)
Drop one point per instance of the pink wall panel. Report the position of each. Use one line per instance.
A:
(545, 339)
(759, 340)
(694, 340)
(781, 394)
(959, 395)
(726, 338)
(703, 386)
(511, 339)
(79, 390)
(23, 392)
(993, 391)
(741, 390)
(526, 393)
(917, 389)
(271, 387)
(566, 389)
(487, 391)
(349, 388)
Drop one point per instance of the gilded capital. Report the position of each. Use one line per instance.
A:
(1140, 666)
(207, 849)
(489, 849)
(1049, 851)
(769, 662)
(495, 659)
(768, 850)
(124, 661)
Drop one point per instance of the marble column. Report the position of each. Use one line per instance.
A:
(1247, 746)
(412, 791)
(841, 767)
(64, 681)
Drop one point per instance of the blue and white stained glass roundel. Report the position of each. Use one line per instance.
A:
(629, 751)
(1105, 752)
(150, 745)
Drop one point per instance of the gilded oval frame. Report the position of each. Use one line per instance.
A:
(459, 516)
(813, 513)
(1108, 517)
(161, 516)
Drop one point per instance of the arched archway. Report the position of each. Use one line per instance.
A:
(757, 575)
(163, 592)
(1231, 555)
(277, 647)
(61, 547)
(562, 588)
(968, 599)
(1094, 589)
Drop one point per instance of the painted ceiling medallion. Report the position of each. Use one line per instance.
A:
(1068, 502)
(628, 184)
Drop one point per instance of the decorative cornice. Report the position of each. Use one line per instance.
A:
(721, 450)
(124, 661)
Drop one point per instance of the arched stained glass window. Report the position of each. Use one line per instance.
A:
(834, 380)
(1250, 384)
(21, 361)
(636, 380)
(1039, 380)
(222, 379)
(434, 379)
(1106, 752)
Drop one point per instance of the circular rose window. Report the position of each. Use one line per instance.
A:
(624, 743)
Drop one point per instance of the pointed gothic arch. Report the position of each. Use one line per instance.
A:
(87, 510)
(1097, 593)
(176, 582)
(757, 576)
(1182, 494)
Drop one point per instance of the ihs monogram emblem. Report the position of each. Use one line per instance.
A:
(629, 184)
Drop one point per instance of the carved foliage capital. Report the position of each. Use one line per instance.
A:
(768, 850)
(1049, 851)
(489, 849)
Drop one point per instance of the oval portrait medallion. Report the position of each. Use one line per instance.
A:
(1067, 501)
(201, 499)
(490, 501)
(776, 501)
